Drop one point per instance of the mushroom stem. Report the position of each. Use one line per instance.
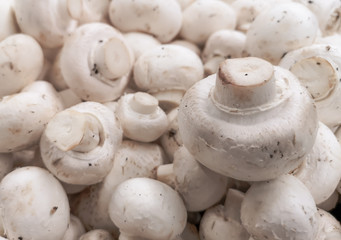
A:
(165, 174)
(111, 59)
(143, 103)
(71, 130)
(244, 83)
(232, 205)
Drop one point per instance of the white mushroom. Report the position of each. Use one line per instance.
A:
(97, 234)
(150, 17)
(280, 29)
(21, 62)
(329, 227)
(199, 187)
(132, 159)
(33, 205)
(48, 21)
(74, 230)
(8, 24)
(95, 62)
(24, 115)
(318, 67)
(141, 117)
(251, 121)
(202, 18)
(282, 208)
(223, 222)
(166, 72)
(147, 208)
(321, 169)
(140, 42)
(86, 11)
(79, 143)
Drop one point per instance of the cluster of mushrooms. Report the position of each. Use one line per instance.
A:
(170, 119)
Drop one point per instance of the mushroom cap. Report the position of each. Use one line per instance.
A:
(48, 22)
(202, 18)
(140, 42)
(25, 115)
(329, 227)
(141, 117)
(282, 208)
(33, 205)
(268, 36)
(147, 16)
(167, 67)
(98, 234)
(318, 68)
(199, 187)
(321, 169)
(21, 61)
(83, 63)
(254, 143)
(83, 167)
(147, 208)
(75, 229)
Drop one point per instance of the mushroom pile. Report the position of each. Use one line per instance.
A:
(170, 120)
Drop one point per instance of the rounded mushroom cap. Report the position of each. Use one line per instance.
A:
(95, 62)
(147, 208)
(25, 115)
(48, 22)
(141, 117)
(79, 143)
(329, 227)
(21, 61)
(199, 187)
(202, 18)
(75, 229)
(321, 168)
(147, 16)
(33, 205)
(140, 42)
(167, 67)
(97, 234)
(268, 36)
(252, 125)
(282, 208)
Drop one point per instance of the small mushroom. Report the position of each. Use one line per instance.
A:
(49, 22)
(132, 159)
(329, 227)
(8, 24)
(141, 117)
(21, 62)
(25, 115)
(318, 68)
(97, 234)
(74, 230)
(33, 205)
(321, 169)
(202, 18)
(223, 222)
(95, 62)
(282, 208)
(250, 121)
(199, 187)
(166, 72)
(282, 28)
(147, 208)
(79, 143)
(150, 17)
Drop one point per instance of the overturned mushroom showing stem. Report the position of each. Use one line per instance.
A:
(147, 208)
(166, 72)
(95, 62)
(150, 17)
(21, 61)
(321, 169)
(141, 117)
(25, 115)
(223, 222)
(33, 205)
(132, 159)
(79, 143)
(318, 67)
(48, 21)
(251, 121)
(266, 39)
(199, 187)
(282, 208)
